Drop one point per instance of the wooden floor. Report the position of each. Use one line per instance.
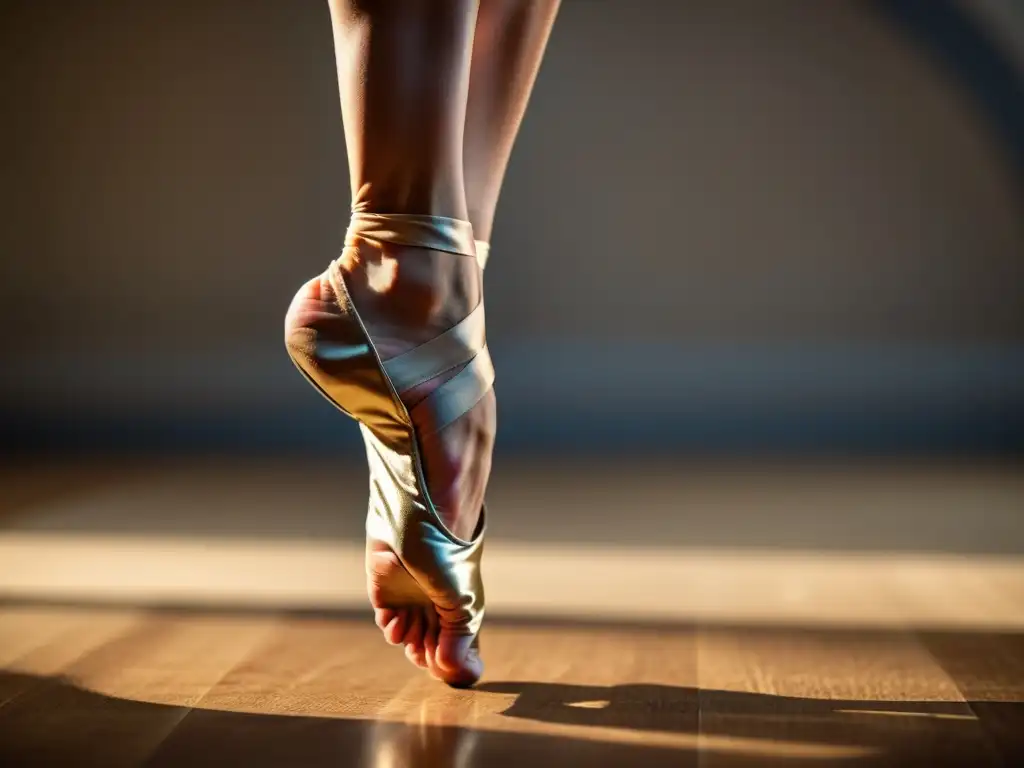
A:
(878, 544)
(125, 687)
(818, 615)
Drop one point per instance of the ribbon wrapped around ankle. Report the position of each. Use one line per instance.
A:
(437, 233)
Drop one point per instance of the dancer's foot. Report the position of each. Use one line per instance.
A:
(405, 297)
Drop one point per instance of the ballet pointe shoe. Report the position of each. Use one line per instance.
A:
(415, 564)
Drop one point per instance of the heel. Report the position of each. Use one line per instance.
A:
(326, 341)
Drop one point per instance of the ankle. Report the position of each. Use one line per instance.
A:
(414, 286)
(423, 193)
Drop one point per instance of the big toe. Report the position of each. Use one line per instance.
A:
(454, 658)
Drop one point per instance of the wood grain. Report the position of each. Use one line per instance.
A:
(988, 669)
(127, 688)
(92, 711)
(878, 697)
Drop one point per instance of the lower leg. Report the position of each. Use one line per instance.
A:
(403, 71)
(509, 44)
(403, 76)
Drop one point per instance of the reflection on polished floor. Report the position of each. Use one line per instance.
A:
(126, 687)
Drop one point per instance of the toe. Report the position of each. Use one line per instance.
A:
(382, 617)
(414, 628)
(416, 654)
(452, 656)
(457, 659)
(430, 638)
(394, 631)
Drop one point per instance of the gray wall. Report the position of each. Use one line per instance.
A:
(782, 208)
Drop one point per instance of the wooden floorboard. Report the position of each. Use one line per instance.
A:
(878, 698)
(37, 642)
(325, 692)
(989, 672)
(125, 688)
(115, 704)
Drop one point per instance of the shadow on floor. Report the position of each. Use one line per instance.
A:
(51, 722)
(784, 729)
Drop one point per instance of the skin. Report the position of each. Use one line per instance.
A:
(508, 47)
(432, 97)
